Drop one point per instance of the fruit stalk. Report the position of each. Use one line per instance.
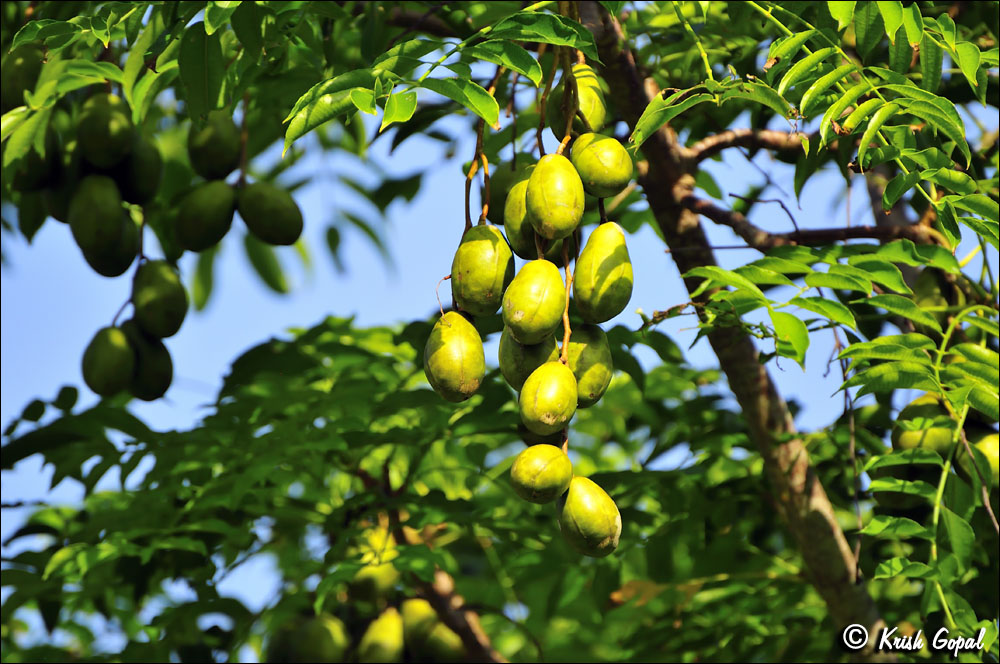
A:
(564, 348)
(541, 104)
(244, 138)
(571, 96)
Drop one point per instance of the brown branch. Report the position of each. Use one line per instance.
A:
(767, 139)
(798, 495)
(758, 238)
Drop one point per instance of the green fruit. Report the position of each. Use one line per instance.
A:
(320, 639)
(541, 473)
(383, 640)
(481, 270)
(205, 215)
(985, 444)
(95, 214)
(35, 170)
(419, 618)
(554, 198)
(534, 302)
(589, 519)
(521, 234)
(214, 148)
(20, 73)
(154, 370)
(604, 165)
(108, 362)
(592, 103)
(138, 175)
(602, 283)
(270, 213)
(115, 258)
(159, 299)
(548, 398)
(926, 424)
(589, 358)
(105, 132)
(426, 637)
(454, 360)
(517, 361)
(443, 645)
(502, 179)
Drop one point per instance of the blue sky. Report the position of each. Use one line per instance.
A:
(52, 302)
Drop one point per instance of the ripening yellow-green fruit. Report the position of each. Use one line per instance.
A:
(924, 423)
(602, 282)
(589, 519)
(521, 234)
(502, 178)
(138, 175)
(604, 165)
(105, 131)
(426, 637)
(114, 259)
(554, 197)
(534, 302)
(548, 398)
(159, 299)
(95, 213)
(518, 360)
(270, 213)
(481, 270)
(214, 147)
(985, 445)
(541, 473)
(592, 103)
(154, 370)
(589, 357)
(205, 215)
(108, 362)
(383, 640)
(454, 360)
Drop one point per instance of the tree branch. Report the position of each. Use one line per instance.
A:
(799, 496)
(745, 138)
(762, 240)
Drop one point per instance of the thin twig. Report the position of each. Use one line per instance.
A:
(780, 202)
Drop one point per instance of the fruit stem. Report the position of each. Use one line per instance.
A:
(244, 139)
(486, 189)
(604, 214)
(437, 292)
(564, 349)
(571, 94)
(542, 100)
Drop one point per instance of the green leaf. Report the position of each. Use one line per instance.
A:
(836, 110)
(399, 107)
(804, 66)
(842, 12)
(715, 275)
(902, 306)
(879, 119)
(969, 58)
(543, 27)
(915, 456)
(892, 16)
(248, 24)
(136, 61)
(898, 186)
(860, 113)
(324, 102)
(265, 263)
(786, 47)
(403, 58)
(961, 537)
(763, 276)
(217, 14)
(979, 204)
(891, 376)
(909, 487)
(12, 119)
(889, 527)
(204, 279)
(881, 272)
(900, 53)
(941, 121)
(988, 229)
(986, 402)
(830, 309)
(868, 28)
(903, 568)
(508, 54)
(837, 280)
(757, 93)
(791, 336)
(884, 351)
(468, 94)
(660, 111)
(956, 181)
(823, 84)
(931, 59)
(782, 265)
(364, 100)
(201, 69)
(913, 23)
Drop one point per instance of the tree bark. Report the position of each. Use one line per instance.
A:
(800, 497)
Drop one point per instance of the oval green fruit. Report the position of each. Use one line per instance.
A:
(426, 637)
(590, 360)
(214, 147)
(105, 132)
(383, 640)
(521, 234)
(270, 213)
(95, 214)
(159, 299)
(419, 618)
(205, 215)
(108, 362)
(443, 645)
(554, 198)
(589, 519)
(924, 423)
(154, 370)
(518, 361)
(534, 302)
(21, 68)
(454, 360)
(138, 175)
(548, 398)
(602, 283)
(481, 270)
(541, 473)
(592, 102)
(985, 444)
(115, 258)
(604, 165)
(502, 179)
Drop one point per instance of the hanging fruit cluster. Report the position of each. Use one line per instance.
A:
(99, 173)
(554, 368)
